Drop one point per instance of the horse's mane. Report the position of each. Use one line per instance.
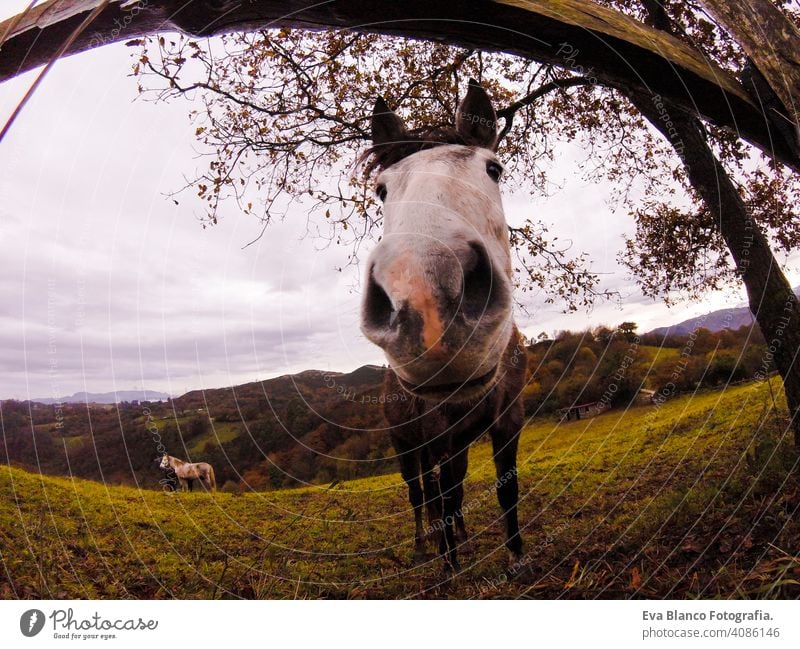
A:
(383, 156)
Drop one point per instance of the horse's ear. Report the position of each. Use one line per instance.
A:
(387, 127)
(476, 121)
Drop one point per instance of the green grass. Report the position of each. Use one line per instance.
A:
(73, 441)
(655, 355)
(219, 433)
(690, 499)
(162, 421)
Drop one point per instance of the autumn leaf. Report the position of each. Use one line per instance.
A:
(636, 579)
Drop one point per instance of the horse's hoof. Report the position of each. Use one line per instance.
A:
(518, 567)
(516, 561)
(451, 567)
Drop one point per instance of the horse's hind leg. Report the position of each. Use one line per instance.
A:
(459, 466)
(447, 540)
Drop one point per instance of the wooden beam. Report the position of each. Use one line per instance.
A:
(575, 34)
(771, 41)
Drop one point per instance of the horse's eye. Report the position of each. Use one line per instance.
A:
(380, 190)
(494, 170)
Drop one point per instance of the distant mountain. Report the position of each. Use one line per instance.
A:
(107, 397)
(714, 321)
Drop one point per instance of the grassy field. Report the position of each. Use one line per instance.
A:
(656, 354)
(220, 433)
(688, 499)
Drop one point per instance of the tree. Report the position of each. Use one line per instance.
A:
(623, 51)
(772, 42)
(281, 108)
(628, 330)
(603, 334)
(197, 426)
(741, 226)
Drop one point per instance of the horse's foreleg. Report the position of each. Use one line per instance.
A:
(410, 470)
(447, 541)
(183, 484)
(433, 497)
(504, 445)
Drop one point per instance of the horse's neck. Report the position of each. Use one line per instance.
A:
(175, 463)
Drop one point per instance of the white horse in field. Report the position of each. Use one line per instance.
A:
(188, 472)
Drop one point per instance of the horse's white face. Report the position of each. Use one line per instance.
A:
(438, 294)
(164, 462)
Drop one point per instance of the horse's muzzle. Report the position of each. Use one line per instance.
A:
(443, 324)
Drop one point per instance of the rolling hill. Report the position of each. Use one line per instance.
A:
(317, 427)
(687, 499)
(308, 427)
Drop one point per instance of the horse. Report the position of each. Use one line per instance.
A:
(438, 302)
(187, 472)
(170, 481)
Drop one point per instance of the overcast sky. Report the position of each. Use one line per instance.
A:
(107, 285)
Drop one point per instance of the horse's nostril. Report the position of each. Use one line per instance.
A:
(378, 310)
(479, 283)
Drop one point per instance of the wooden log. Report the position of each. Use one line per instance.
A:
(771, 41)
(575, 34)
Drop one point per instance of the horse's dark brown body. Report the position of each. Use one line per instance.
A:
(426, 434)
